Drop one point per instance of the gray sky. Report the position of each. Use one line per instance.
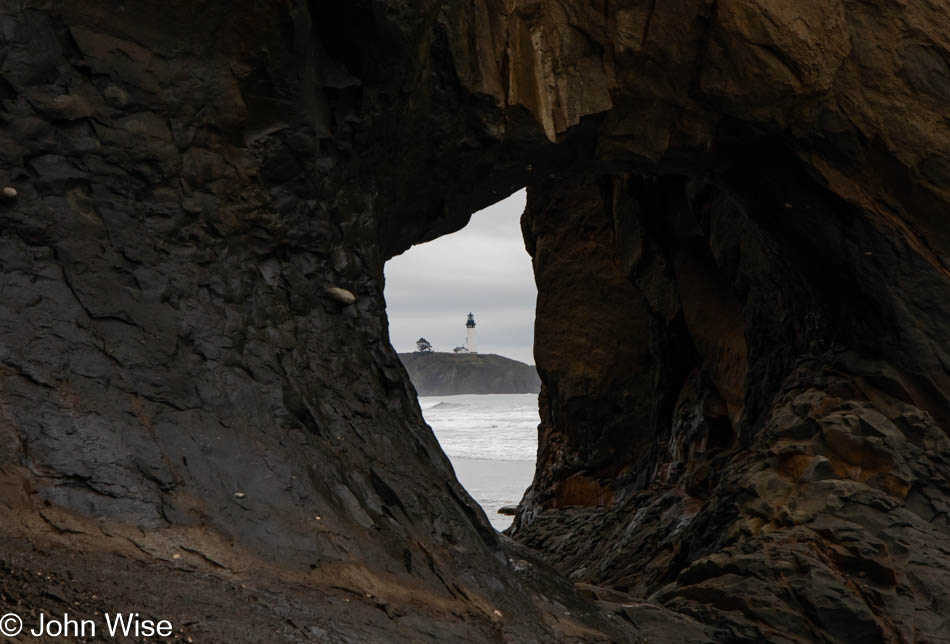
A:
(483, 268)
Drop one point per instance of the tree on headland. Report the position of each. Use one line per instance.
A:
(423, 346)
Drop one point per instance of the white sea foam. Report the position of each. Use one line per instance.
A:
(498, 427)
(444, 405)
(492, 441)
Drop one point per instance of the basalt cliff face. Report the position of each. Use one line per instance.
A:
(447, 374)
(737, 218)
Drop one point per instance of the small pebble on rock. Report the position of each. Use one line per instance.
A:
(341, 295)
(9, 193)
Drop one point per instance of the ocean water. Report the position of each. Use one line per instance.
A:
(492, 441)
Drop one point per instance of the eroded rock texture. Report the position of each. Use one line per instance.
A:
(785, 473)
(736, 212)
(754, 430)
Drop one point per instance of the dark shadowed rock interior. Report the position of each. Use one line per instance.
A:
(737, 216)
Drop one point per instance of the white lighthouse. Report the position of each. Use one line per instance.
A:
(471, 340)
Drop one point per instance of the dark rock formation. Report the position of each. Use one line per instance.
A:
(789, 475)
(746, 197)
(186, 407)
(448, 374)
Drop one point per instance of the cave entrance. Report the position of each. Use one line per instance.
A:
(475, 376)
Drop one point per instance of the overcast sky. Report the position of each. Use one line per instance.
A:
(483, 268)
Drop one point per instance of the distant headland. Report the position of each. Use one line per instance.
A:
(448, 374)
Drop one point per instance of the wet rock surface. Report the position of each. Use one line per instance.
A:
(738, 207)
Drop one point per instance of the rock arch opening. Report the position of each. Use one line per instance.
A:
(461, 316)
